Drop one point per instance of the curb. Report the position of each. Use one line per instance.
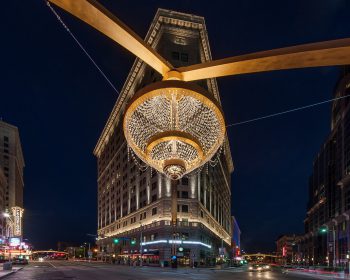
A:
(12, 272)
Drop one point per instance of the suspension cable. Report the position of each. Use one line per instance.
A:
(287, 111)
(80, 45)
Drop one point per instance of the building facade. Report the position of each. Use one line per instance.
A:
(236, 238)
(287, 249)
(134, 202)
(327, 228)
(3, 187)
(12, 164)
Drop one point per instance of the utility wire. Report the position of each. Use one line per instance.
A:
(287, 111)
(81, 46)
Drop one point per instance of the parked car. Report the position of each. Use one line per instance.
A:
(20, 261)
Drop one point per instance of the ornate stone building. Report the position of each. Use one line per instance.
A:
(3, 187)
(134, 202)
(327, 226)
(12, 163)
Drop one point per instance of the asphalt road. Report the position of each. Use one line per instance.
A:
(64, 270)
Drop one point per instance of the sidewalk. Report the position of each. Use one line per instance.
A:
(4, 273)
(318, 274)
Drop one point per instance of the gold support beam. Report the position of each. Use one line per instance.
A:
(94, 14)
(329, 53)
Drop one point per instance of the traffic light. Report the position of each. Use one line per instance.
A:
(133, 242)
(116, 240)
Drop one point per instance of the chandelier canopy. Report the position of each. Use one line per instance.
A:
(174, 126)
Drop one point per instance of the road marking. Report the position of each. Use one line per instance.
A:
(52, 265)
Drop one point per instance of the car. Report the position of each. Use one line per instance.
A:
(259, 267)
(20, 261)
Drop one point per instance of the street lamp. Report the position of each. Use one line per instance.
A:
(89, 252)
(326, 229)
(9, 224)
(141, 243)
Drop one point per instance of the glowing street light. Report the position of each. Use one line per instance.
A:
(323, 230)
(6, 215)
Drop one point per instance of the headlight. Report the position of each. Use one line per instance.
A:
(41, 259)
(259, 268)
(267, 266)
(250, 268)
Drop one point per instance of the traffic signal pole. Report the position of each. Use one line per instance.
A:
(174, 213)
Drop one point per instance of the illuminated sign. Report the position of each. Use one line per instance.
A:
(15, 241)
(284, 251)
(17, 213)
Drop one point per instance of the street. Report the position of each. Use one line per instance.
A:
(57, 270)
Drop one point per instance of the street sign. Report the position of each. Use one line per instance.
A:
(90, 254)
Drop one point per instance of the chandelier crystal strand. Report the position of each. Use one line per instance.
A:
(137, 163)
(214, 162)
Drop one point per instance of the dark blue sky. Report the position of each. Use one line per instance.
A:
(60, 103)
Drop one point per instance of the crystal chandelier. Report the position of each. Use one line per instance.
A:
(174, 126)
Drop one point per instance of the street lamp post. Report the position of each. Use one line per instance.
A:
(327, 229)
(83, 246)
(89, 251)
(9, 225)
(141, 250)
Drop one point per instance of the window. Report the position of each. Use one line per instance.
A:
(154, 186)
(184, 194)
(185, 222)
(184, 57)
(153, 236)
(154, 198)
(6, 139)
(184, 181)
(184, 208)
(184, 235)
(154, 211)
(175, 55)
(143, 216)
(179, 56)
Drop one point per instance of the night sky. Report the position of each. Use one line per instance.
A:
(59, 101)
